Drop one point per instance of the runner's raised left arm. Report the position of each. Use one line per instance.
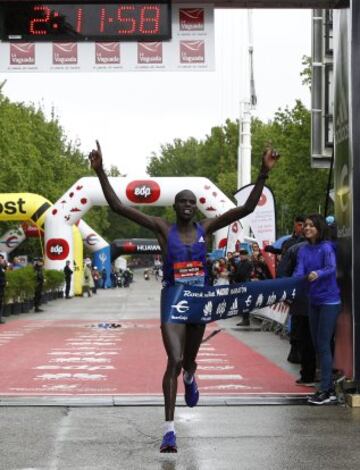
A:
(269, 159)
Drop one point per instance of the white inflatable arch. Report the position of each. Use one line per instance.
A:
(87, 192)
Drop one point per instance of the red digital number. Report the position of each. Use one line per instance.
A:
(128, 21)
(79, 20)
(36, 22)
(149, 19)
(102, 19)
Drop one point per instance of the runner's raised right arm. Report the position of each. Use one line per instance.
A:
(152, 223)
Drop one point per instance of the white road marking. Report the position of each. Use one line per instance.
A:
(220, 377)
(210, 354)
(80, 359)
(215, 368)
(213, 360)
(74, 367)
(94, 377)
(230, 387)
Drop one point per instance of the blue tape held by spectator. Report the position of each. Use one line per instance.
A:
(191, 304)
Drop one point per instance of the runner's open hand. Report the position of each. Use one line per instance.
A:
(269, 159)
(312, 276)
(95, 157)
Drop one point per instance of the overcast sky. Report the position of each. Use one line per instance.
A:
(133, 113)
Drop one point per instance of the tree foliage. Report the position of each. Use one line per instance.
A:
(298, 188)
(36, 156)
(306, 73)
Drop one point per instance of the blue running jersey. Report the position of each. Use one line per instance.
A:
(185, 264)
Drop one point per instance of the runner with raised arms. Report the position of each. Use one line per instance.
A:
(184, 247)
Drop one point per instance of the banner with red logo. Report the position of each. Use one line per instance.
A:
(143, 191)
(234, 237)
(191, 48)
(262, 220)
(57, 249)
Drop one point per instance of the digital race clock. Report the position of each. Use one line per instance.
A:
(138, 20)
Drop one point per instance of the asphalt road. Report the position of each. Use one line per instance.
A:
(100, 434)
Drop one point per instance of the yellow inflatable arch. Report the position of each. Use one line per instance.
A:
(29, 207)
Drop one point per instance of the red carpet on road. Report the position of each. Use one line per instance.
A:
(56, 358)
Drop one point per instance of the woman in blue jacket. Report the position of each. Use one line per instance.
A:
(317, 262)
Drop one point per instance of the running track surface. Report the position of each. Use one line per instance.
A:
(77, 358)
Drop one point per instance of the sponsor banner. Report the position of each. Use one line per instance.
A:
(262, 220)
(150, 53)
(355, 145)
(191, 48)
(347, 351)
(148, 248)
(107, 53)
(65, 53)
(143, 191)
(57, 249)
(278, 313)
(11, 240)
(192, 52)
(22, 54)
(234, 237)
(191, 304)
(191, 19)
(31, 231)
(91, 239)
(134, 246)
(102, 260)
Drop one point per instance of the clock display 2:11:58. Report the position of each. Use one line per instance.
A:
(47, 21)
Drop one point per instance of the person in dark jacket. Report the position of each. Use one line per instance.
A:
(39, 283)
(3, 265)
(300, 335)
(261, 271)
(283, 270)
(68, 272)
(103, 278)
(296, 237)
(317, 263)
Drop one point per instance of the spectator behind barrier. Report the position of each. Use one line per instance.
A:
(39, 280)
(317, 263)
(68, 272)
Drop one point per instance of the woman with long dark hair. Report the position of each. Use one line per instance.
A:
(317, 262)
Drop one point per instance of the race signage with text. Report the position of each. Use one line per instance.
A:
(191, 48)
(191, 304)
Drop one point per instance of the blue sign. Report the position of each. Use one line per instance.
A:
(191, 304)
(102, 260)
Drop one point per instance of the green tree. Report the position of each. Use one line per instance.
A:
(306, 73)
(37, 157)
(298, 188)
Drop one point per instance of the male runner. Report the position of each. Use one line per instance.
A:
(184, 247)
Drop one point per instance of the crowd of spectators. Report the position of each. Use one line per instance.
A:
(247, 264)
(94, 279)
(309, 252)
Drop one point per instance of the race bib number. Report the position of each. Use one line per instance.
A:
(190, 273)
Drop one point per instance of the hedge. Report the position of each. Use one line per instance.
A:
(21, 283)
